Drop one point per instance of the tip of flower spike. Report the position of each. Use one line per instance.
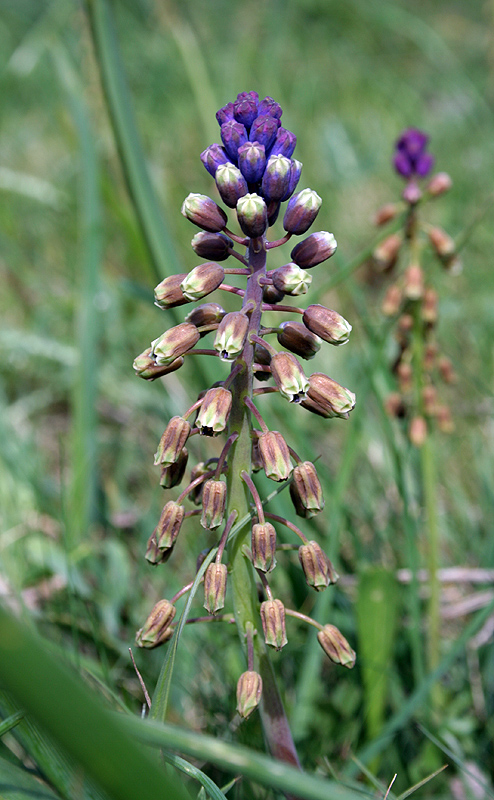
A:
(410, 158)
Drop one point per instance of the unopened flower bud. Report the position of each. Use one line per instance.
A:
(225, 113)
(271, 108)
(289, 377)
(442, 244)
(306, 490)
(172, 474)
(413, 282)
(386, 253)
(231, 335)
(249, 690)
(327, 398)
(327, 324)
(204, 212)
(264, 130)
(301, 211)
(156, 629)
(212, 157)
(392, 301)
(245, 108)
(385, 214)
(284, 143)
(275, 456)
(429, 306)
(252, 215)
(336, 646)
(215, 587)
(205, 314)
(395, 405)
(439, 184)
(169, 294)
(276, 177)
(215, 246)
(295, 172)
(169, 525)
(318, 247)
(213, 504)
(418, 431)
(214, 412)
(412, 193)
(405, 376)
(291, 279)
(273, 623)
(446, 370)
(146, 367)
(173, 440)
(298, 339)
(270, 294)
(174, 342)
(202, 280)
(252, 161)
(444, 419)
(318, 569)
(233, 136)
(231, 184)
(263, 545)
(155, 556)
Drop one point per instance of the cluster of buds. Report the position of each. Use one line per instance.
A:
(409, 298)
(254, 173)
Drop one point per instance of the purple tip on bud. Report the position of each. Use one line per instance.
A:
(252, 161)
(284, 144)
(270, 107)
(233, 136)
(264, 130)
(212, 157)
(225, 113)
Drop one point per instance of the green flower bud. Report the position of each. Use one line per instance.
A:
(306, 490)
(327, 398)
(173, 440)
(318, 569)
(301, 212)
(273, 623)
(230, 183)
(295, 337)
(169, 525)
(202, 280)
(206, 314)
(275, 456)
(174, 342)
(214, 412)
(215, 587)
(156, 629)
(252, 215)
(263, 544)
(169, 294)
(231, 335)
(336, 646)
(291, 279)
(146, 367)
(203, 212)
(327, 324)
(213, 504)
(172, 474)
(249, 690)
(289, 377)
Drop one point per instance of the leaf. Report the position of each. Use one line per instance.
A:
(18, 784)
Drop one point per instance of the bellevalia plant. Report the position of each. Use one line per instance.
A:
(254, 173)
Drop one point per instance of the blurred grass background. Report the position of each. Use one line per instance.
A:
(78, 493)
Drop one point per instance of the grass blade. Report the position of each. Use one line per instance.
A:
(18, 784)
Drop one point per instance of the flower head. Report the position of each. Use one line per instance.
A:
(411, 159)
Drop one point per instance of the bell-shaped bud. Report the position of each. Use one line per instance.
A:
(262, 356)
(327, 324)
(386, 213)
(291, 279)
(295, 172)
(289, 377)
(157, 628)
(214, 412)
(418, 431)
(318, 569)
(169, 525)
(155, 556)
(231, 334)
(264, 130)
(413, 282)
(301, 211)
(270, 107)
(233, 136)
(327, 398)
(205, 314)
(446, 370)
(245, 108)
(439, 184)
(392, 301)
(318, 247)
(213, 504)
(216, 246)
(146, 367)
(169, 294)
(252, 215)
(273, 623)
(204, 212)
(336, 646)
(276, 178)
(295, 337)
(306, 490)
(172, 442)
(252, 161)
(442, 243)
(195, 494)
(212, 157)
(249, 690)
(270, 294)
(172, 474)
(284, 143)
(263, 545)
(429, 309)
(202, 280)
(174, 342)
(386, 253)
(225, 113)
(231, 184)
(215, 587)
(275, 456)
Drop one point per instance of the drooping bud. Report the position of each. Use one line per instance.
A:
(169, 525)
(230, 336)
(169, 294)
(252, 161)
(172, 474)
(301, 211)
(289, 377)
(306, 490)
(263, 545)
(385, 214)
(212, 157)
(327, 324)
(216, 246)
(386, 253)
(392, 301)
(295, 172)
(413, 282)
(276, 177)
(418, 431)
(275, 456)
(213, 504)
(174, 342)
(295, 337)
(327, 398)
(249, 690)
(446, 370)
(214, 412)
(204, 212)
(231, 184)
(273, 623)
(291, 279)
(318, 569)
(429, 306)
(172, 442)
(443, 244)
(262, 356)
(156, 629)
(146, 367)
(245, 108)
(155, 556)
(252, 215)
(205, 314)
(284, 143)
(318, 247)
(264, 130)
(215, 587)
(202, 280)
(439, 184)
(336, 646)
(233, 136)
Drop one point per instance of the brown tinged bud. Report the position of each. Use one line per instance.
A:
(306, 490)
(392, 301)
(318, 569)
(169, 525)
(173, 440)
(318, 247)
(172, 474)
(202, 280)
(327, 324)
(273, 623)
(291, 279)
(156, 629)
(430, 354)
(439, 184)
(444, 419)
(203, 212)
(289, 377)
(216, 246)
(386, 253)
(442, 244)
(154, 555)
(231, 334)
(174, 342)
(206, 314)
(413, 282)
(429, 396)
(298, 339)
(270, 294)
(446, 370)
(327, 398)
(169, 294)
(275, 456)
(146, 367)
(249, 690)
(263, 545)
(385, 214)
(213, 504)
(336, 646)
(395, 405)
(214, 412)
(405, 376)
(215, 587)
(429, 306)
(301, 211)
(418, 431)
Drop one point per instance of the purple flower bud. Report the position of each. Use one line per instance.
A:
(270, 107)
(206, 314)
(174, 343)
(233, 135)
(264, 129)
(245, 108)
(224, 114)
(276, 178)
(295, 172)
(318, 247)
(212, 157)
(295, 337)
(424, 164)
(284, 143)
(231, 184)
(336, 646)
(212, 245)
(410, 158)
(301, 211)
(252, 161)
(204, 212)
